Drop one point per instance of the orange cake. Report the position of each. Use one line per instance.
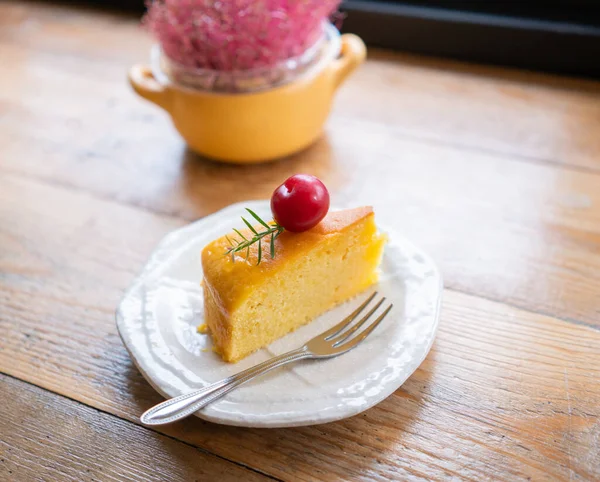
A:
(249, 305)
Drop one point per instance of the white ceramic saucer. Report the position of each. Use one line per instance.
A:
(158, 316)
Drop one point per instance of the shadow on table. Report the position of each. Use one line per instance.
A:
(210, 185)
(369, 441)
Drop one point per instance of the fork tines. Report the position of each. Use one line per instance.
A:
(344, 331)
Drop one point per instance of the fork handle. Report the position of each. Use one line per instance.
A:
(184, 405)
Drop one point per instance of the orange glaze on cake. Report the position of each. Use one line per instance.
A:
(247, 306)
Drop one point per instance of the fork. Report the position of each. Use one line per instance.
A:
(331, 343)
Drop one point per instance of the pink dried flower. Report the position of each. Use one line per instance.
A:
(231, 35)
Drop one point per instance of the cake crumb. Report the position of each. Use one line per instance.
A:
(203, 328)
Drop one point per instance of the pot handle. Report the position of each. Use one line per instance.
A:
(143, 82)
(352, 54)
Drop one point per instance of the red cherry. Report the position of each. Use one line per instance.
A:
(300, 203)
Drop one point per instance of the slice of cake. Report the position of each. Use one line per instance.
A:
(249, 305)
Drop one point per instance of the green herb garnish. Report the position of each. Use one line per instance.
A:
(273, 229)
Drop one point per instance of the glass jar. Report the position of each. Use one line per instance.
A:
(323, 51)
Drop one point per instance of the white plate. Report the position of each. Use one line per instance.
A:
(158, 316)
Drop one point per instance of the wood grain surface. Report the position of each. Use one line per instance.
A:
(46, 437)
(496, 173)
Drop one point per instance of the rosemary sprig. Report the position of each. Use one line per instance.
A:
(273, 230)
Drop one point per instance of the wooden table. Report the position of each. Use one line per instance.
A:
(496, 173)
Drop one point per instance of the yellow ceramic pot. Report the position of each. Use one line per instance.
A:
(259, 126)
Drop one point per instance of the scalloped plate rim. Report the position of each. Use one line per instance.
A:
(180, 232)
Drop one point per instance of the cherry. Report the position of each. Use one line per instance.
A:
(300, 203)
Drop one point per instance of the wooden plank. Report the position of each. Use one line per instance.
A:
(523, 115)
(525, 234)
(505, 395)
(538, 117)
(47, 437)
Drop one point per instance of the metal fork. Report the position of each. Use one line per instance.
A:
(331, 343)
